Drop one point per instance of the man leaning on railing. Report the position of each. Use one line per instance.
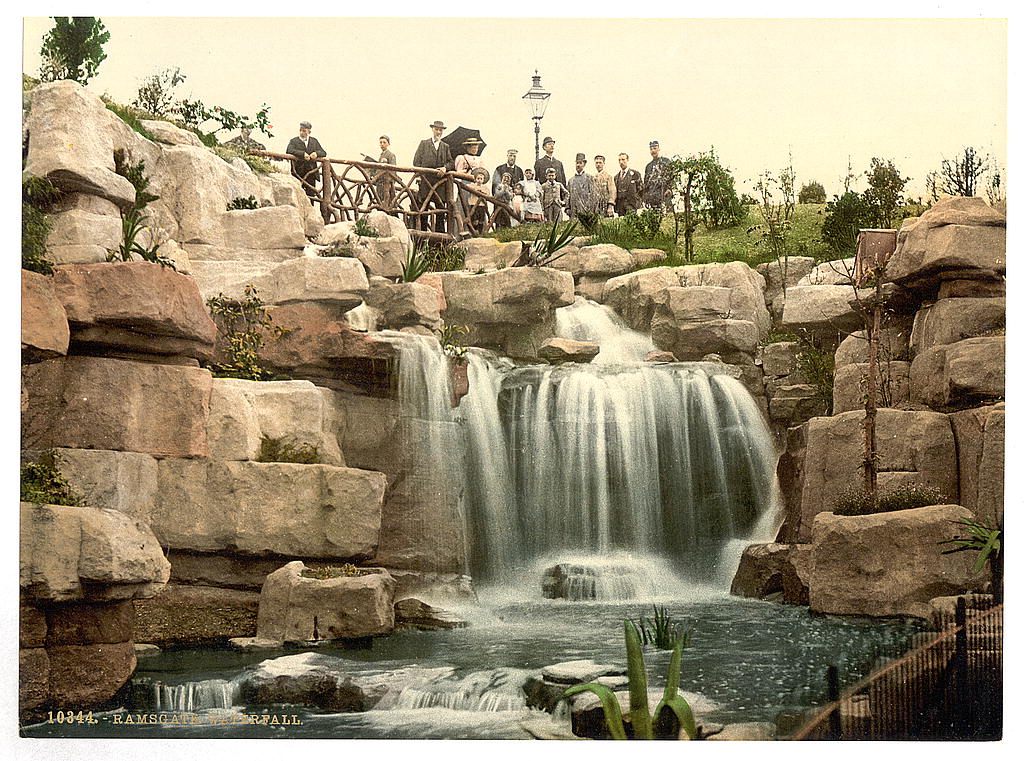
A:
(306, 149)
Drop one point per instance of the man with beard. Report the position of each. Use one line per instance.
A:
(509, 166)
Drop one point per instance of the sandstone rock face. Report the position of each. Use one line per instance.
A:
(887, 564)
(84, 228)
(963, 374)
(796, 403)
(86, 553)
(760, 572)
(780, 358)
(696, 320)
(90, 623)
(138, 306)
(956, 239)
(411, 613)
(332, 281)
(601, 261)
(490, 254)
(893, 344)
(914, 448)
(243, 412)
(821, 310)
(97, 403)
(790, 471)
(637, 295)
(980, 435)
(401, 305)
(294, 608)
(838, 272)
(196, 615)
(954, 319)
(779, 275)
(270, 227)
(85, 675)
(255, 508)
(972, 289)
(557, 350)
(382, 255)
(170, 133)
(71, 140)
(850, 386)
(44, 323)
(113, 480)
(511, 310)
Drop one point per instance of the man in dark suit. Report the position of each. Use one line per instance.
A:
(435, 154)
(509, 166)
(658, 180)
(629, 187)
(306, 149)
(548, 161)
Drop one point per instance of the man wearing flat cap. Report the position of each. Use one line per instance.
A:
(548, 161)
(658, 180)
(582, 194)
(510, 167)
(306, 149)
(383, 180)
(434, 154)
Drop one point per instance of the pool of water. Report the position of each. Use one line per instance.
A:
(747, 661)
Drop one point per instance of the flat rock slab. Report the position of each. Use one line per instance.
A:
(194, 615)
(579, 672)
(44, 323)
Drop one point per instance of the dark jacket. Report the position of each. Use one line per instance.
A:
(302, 167)
(629, 188)
(541, 166)
(516, 171)
(428, 157)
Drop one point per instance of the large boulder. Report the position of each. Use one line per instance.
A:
(482, 254)
(87, 553)
(511, 310)
(914, 449)
(893, 344)
(294, 608)
(135, 306)
(121, 481)
(600, 261)
(950, 320)
(244, 412)
(98, 403)
(888, 564)
(980, 444)
(270, 227)
(558, 350)
(75, 232)
(256, 508)
(382, 254)
(697, 320)
(823, 311)
(849, 387)
(172, 134)
(779, 275)
(963, 374)
(44, 323)
(71, 142)
(310, 679)
(838, 272)
(956, 239)
(761, 569)
(402, 305)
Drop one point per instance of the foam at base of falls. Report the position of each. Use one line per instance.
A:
(194, 696)
(618, 576)
(491, 691)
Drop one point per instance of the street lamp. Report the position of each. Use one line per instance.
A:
(537, 98)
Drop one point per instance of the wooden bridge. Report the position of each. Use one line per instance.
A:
(435, 205)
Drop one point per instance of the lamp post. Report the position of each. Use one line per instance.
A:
(537, 98)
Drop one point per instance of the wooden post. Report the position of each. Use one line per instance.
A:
(327, 186)
(835, 719)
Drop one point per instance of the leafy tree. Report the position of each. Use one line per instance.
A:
(195, 113)
(73, 49)
(156, 93)
(707, 192)
(844, 216)
(812, 192)
(885, 192)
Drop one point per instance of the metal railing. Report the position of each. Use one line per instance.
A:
(436, 205)
(948, 688)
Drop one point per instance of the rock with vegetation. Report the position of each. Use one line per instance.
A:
(380, 242)
(888, 564)
(109, 479)
(135, 307)
(915, 448)
(956, 239)
(850, 382)
(87, 553)
(171, 134)
(100, 403)
(44, 323)
(246, 416)
(296, 608)
(953, 319)
(558, 350)
(964, 374)
(257, 508)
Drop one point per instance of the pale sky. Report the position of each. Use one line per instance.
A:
(911, 91)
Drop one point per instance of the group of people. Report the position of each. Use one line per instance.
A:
(542, 193)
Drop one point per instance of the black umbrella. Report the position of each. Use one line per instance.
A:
(458, 136)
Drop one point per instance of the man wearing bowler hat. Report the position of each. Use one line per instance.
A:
(434, 154)
(306, 149)
(658, 180)
(548, 161)
(582, 193)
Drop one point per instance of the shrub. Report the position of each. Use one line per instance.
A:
(645, 224)
(244, 325)
(156, 93)
(43, 484)
(812, 192)
(364, 229)
(280, 449)
(884, 195)
(445, 257)
(73, 49)
(844, 217)
(333, 571)
(229, 153)
(818, 366)
(415, 263)
(858, 502)
(243, 203)
(451, 341)
(131, 117)
(37, 196)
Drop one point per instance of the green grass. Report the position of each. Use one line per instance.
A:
(724, 245)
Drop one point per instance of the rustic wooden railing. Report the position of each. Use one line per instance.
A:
(443, 206)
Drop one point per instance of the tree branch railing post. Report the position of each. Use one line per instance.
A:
(428, 201)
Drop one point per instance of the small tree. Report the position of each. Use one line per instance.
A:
(812, 192)
(706, 193)
(885, 191)
(960, 176)
(156, 93)
(73, 49)
(844, 216)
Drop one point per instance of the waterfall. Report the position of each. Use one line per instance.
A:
(620, 457)
(491, 690)
(193, 696)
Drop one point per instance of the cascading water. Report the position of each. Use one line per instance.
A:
(621, 459)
